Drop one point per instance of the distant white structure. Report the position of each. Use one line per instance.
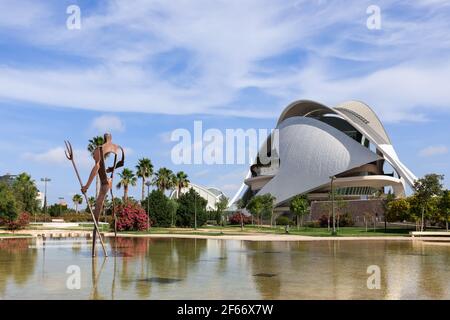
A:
(40, 198)
(210, 194)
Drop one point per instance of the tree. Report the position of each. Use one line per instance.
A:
(389, 198)
(164, 179)
(268, 201)
(159, 208)
(26, 193)
(444, 207)
(8, 204)
(255, 206)
(299, 206)
(144, 170)
(397, 210)
(221, 205)
(240, 204)
(181, 181)
(425, 189)
(127, 178)
(191, 204)
(95, 142)
(77, 200)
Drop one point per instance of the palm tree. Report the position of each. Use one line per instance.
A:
(127, 178)
(93, 144)
(77, 200)
(164, 179)
(181, 181)
(144, 171)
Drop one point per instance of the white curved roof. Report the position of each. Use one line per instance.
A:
(310, 152)
(357, 114)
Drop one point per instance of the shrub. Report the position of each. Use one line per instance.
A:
(323, 221)
(161, 208)
(284, 221)
(188, 203)
(236, 219)
(131, 217)
(346, 220)
(78, 217)
(312, 224)
(20, 223)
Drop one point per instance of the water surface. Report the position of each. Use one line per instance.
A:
(141, 268)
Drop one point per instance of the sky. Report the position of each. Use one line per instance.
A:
(141, 69)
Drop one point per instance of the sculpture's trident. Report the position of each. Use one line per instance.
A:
(69, 155)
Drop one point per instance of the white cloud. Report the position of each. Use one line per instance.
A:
(433, 151)
(56, 156)
(108, 123)
(224, 47)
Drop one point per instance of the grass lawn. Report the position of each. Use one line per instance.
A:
(6, 235)
(251, 229)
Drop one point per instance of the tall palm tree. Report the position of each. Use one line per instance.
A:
(77, 200)
(164, 179)
(144, 171)
(93, 144)
(127, 178)
(181, 181)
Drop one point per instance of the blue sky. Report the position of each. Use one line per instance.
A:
(145, 68)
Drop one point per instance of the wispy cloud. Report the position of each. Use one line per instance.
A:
(107, 123)
(56, 156)
(433, 151)
(180, 57)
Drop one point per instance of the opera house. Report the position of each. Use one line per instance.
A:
(316, 144)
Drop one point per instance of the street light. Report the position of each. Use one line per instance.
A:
(45, 180)
(332, 206)
(60, 205)
(148, 184)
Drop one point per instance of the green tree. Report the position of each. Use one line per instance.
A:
(221, 206)
(299, 206)
(268, 201)
(160, 208)
(444, 207)
(180, 181)
(95, 142)
(191, 204)
(255, 206)
(144, 170)
(77, 200)
(389, 198)
(397, 210)
(8, 205)
(26, 193)
(425, 189)
(127, 179)
(164, 179)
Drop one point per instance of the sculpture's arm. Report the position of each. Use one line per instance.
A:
(94, 171)
(122, 160)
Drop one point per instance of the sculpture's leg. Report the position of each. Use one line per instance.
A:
(98, 209)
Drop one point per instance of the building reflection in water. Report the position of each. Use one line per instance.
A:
(169, 268)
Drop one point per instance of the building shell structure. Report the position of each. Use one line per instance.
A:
(316, 144)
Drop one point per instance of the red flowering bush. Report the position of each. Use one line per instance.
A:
(130, 217)
(20, 223)
(236, 219)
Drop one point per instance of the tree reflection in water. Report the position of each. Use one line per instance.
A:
(145, 261)
(17, 262)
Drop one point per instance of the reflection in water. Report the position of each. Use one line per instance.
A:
(17, 262)
(143, 268)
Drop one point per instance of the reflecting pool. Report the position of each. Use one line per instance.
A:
(152, 268)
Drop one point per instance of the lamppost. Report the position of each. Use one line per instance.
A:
(45, 180)
(60, 205)
(195, 210)
(332, 205)
(148, 184)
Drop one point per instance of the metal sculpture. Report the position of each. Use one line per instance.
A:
(106, 182)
